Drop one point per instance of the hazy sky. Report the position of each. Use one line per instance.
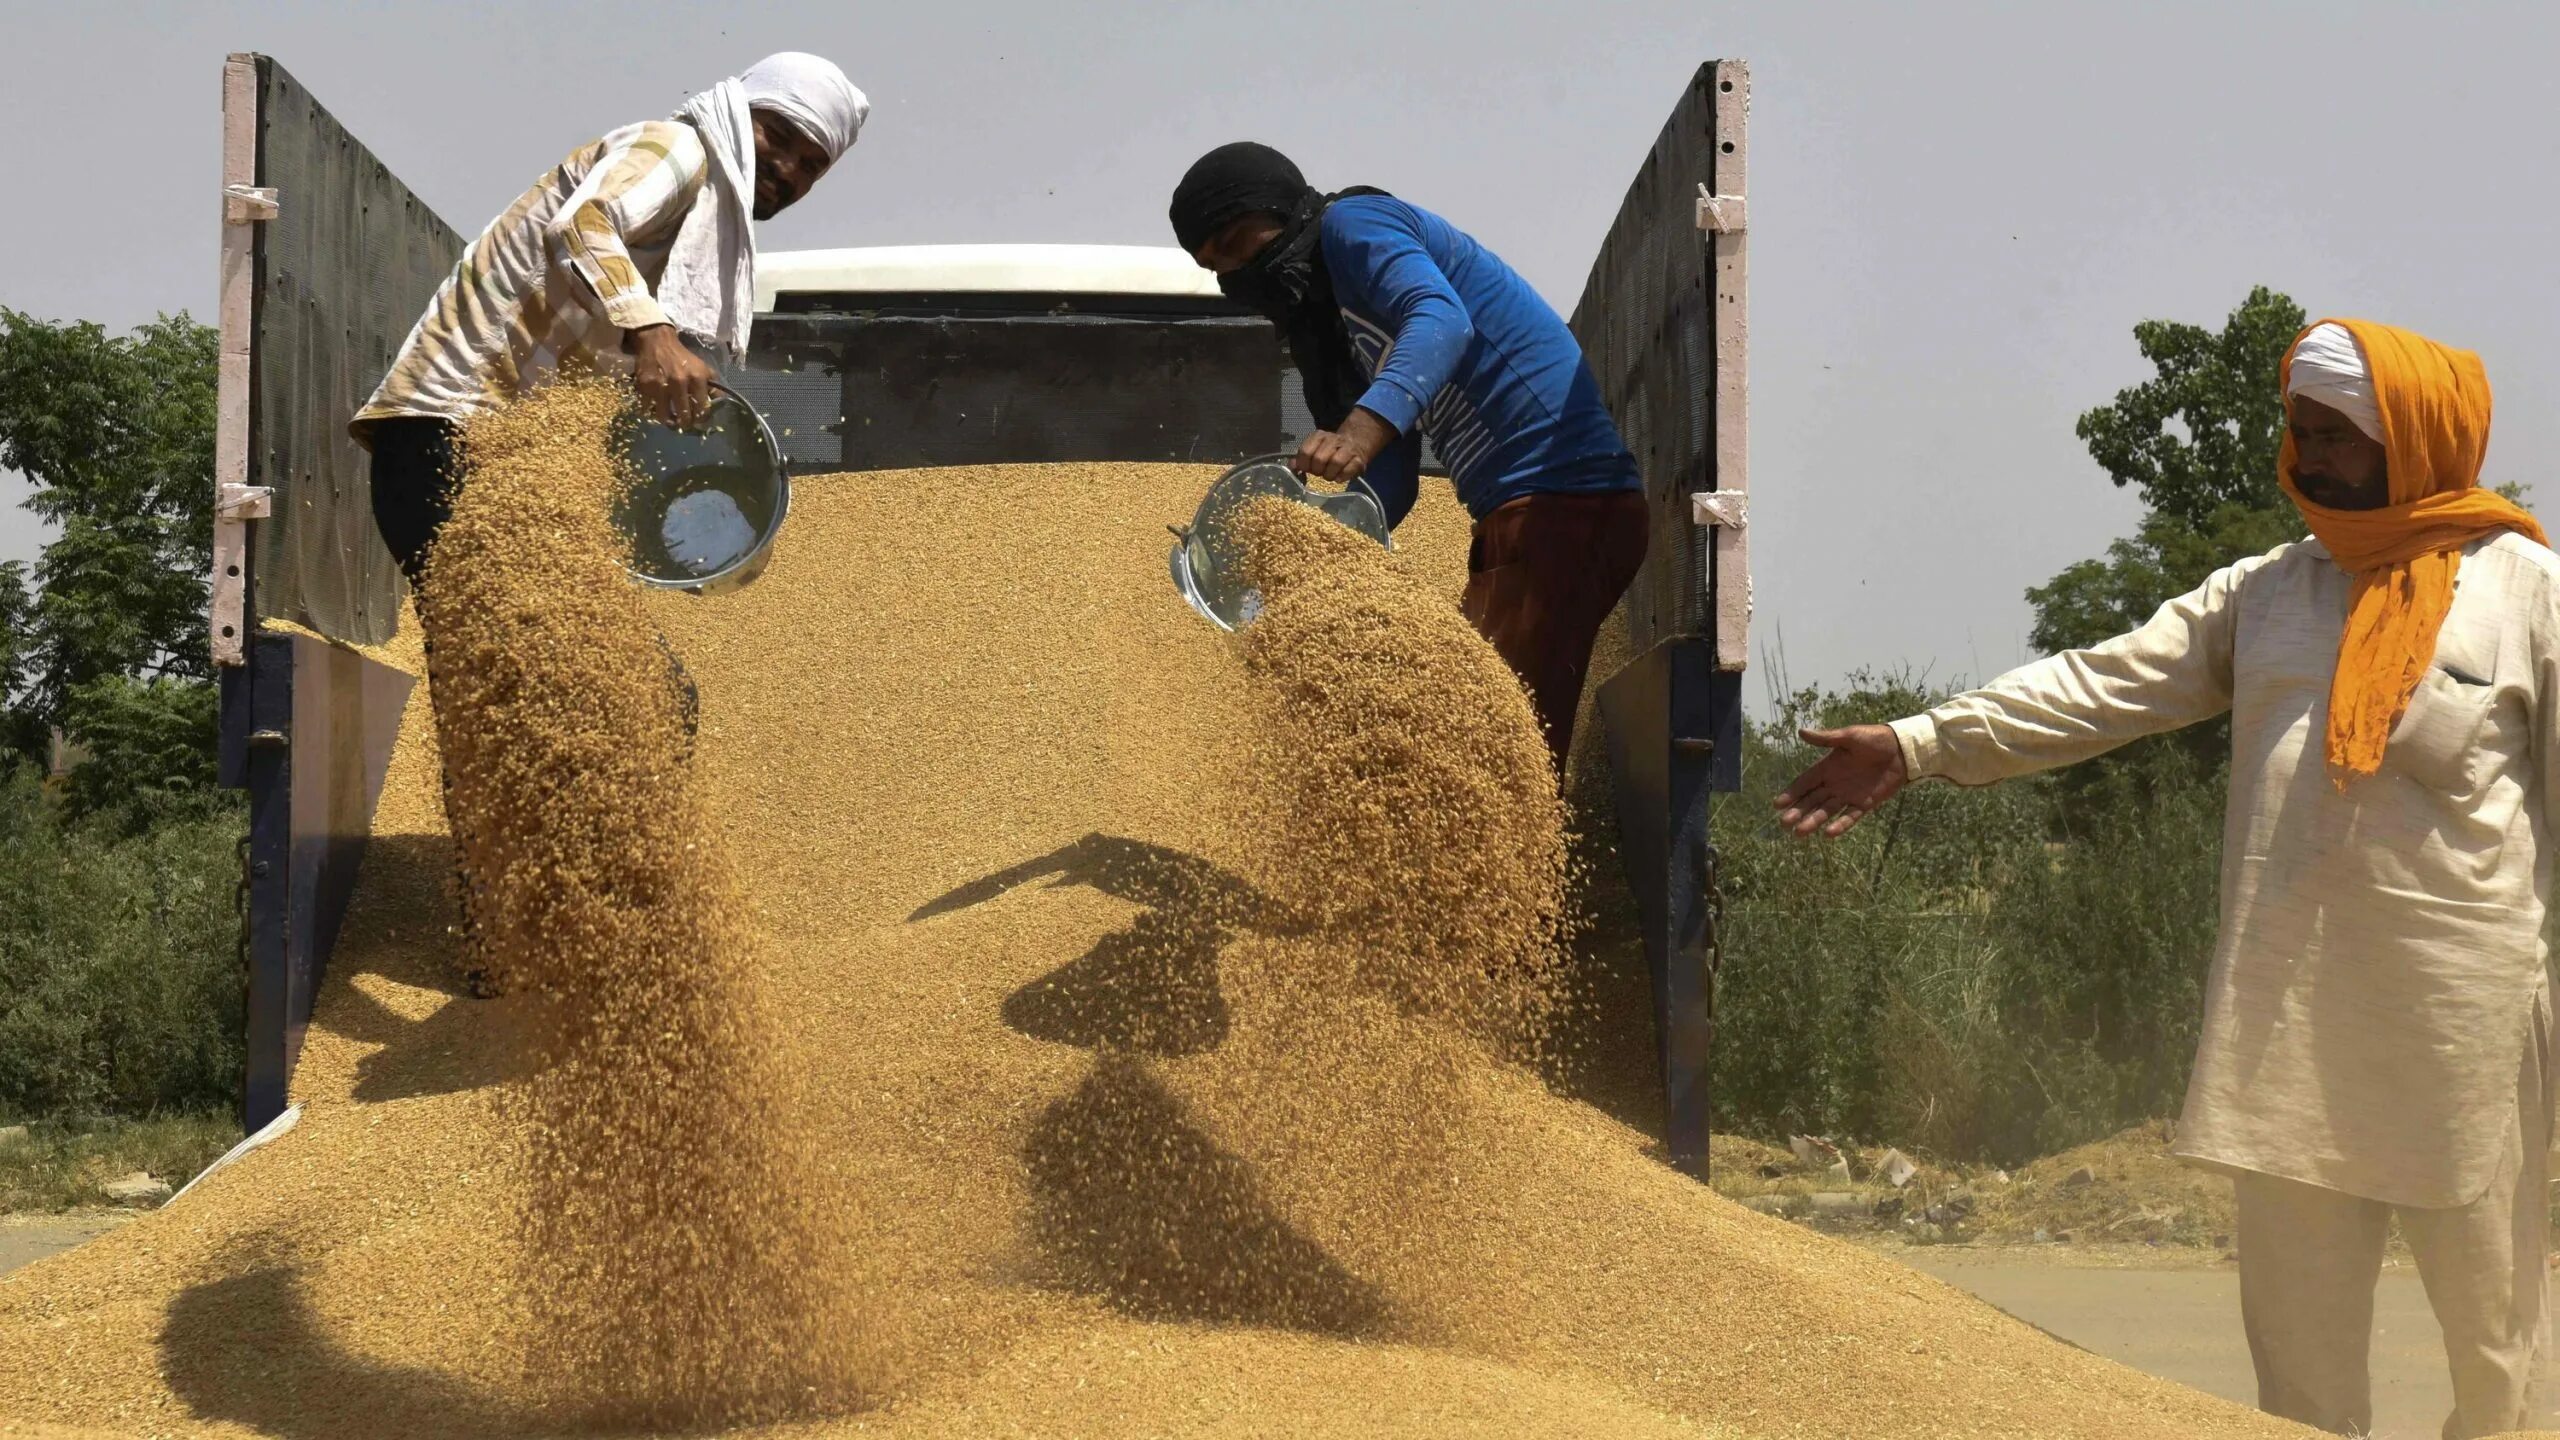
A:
(1958, 210)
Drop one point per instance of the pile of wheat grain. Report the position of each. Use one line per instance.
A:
(1115, 1165)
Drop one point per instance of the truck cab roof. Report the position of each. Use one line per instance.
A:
(816, 280)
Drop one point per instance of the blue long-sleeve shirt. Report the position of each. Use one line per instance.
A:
(1458, 347)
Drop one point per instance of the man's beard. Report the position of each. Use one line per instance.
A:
(2331, 494)
(771, 198)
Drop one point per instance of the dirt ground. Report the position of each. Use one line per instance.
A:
(2125, 1190)
(2114, 1247)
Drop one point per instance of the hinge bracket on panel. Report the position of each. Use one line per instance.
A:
(1722, 214)
(1720, 509)
(242, 502)
(248, 204)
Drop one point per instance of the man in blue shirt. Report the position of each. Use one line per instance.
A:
(1401, 327)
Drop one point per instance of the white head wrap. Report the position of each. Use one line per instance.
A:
(709, 289)
(2329, 367)
(812, 94)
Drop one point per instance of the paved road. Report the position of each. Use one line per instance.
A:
(2185, 1325)
(27, 1238)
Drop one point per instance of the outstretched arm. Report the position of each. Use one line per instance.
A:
(2172, 672)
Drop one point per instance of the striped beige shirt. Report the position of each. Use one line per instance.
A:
(562, 275)
(2381, 965)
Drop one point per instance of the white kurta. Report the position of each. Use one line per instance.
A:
(2381, 959)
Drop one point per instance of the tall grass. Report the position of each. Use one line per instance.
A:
(120, 984)
(1984, 974)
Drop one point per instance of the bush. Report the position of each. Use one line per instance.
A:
(2101, 985)
(61, 1166)
(1986, 974)
(150, 752)
(120, 983)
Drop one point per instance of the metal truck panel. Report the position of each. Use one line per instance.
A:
(322, 723)
(340, 273)
(1664, 323)
(327, 260)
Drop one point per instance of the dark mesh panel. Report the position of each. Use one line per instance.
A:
(862, 382)
(876, 391)
(1644, 323)
(343, 271)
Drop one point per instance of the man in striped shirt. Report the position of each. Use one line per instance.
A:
(572, 273)
(607, 263)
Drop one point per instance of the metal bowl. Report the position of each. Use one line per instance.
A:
(1207, 557)
(707, 501)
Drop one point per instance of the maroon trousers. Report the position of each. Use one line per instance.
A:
(1542, 572)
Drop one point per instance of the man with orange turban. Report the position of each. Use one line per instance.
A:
(2377, 1033)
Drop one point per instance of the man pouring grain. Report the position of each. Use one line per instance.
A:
(616, 254)
(2377, 1032)
(609, 262)
(1401, 326)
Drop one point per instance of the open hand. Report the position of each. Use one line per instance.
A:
(1861, 772)
(671, 379)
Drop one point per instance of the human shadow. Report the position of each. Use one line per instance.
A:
(1133, 1204)
(397, 930)
(1137, 871)
(1152, 985)
(246, 1350)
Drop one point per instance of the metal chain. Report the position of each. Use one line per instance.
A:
(240, 905)
(1711, 868)
(1714, 868)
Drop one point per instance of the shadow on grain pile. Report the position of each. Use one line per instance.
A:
(257, 1322)
(1150, 986)
(406, 874)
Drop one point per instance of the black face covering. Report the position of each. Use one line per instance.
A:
(1286, 281)
(1282, 277)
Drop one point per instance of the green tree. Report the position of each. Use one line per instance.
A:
(2220, 391)
(22, 733)
(149, 747)
(2199, 440)
(105, 636)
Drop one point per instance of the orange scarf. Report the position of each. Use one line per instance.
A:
(2435, 431)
